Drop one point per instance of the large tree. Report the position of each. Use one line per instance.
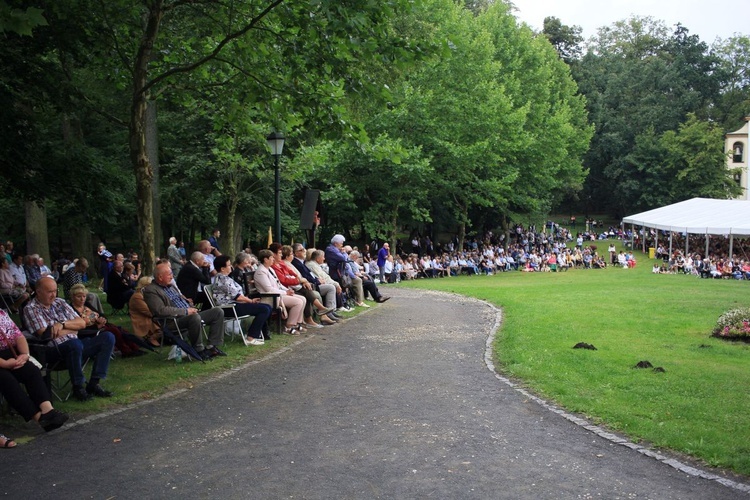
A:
(638, 79)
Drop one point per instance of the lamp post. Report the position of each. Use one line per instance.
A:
(276, 143)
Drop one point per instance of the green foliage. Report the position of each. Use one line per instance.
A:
(639, 80)
(20, 21)
(734, 102)
(565, 39)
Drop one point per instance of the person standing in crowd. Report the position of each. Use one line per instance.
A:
(214, 239)
(174, 256)
(105, 264)
(383, 254)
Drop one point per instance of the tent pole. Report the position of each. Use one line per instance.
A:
(731, 243)
(706, 256)
(670, 243)
(687, 239)
(632, 236)
(644, 233)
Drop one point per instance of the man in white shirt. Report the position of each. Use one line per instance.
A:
(18, 272)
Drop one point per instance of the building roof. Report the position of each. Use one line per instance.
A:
(698, 216)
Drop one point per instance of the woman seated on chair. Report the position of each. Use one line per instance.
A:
(293, 305)
(16, 369)
(227, 291)
(242, 271)
(291, 278)
(10, 288)
(141, 318)
(95, 321)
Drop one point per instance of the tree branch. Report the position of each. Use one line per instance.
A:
(190, 67)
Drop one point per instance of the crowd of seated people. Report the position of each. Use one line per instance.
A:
(310, 284)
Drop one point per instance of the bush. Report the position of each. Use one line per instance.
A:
(733, 324)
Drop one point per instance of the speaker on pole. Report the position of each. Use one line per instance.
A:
(309, 219)
(309, 209)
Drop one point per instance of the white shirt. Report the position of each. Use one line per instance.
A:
(19, 275)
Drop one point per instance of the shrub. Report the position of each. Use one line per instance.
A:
(733, 324)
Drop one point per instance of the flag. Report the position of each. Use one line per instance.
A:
(270, 237)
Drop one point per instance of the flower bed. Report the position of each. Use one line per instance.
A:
(733, 325)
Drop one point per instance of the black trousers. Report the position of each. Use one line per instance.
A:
(368, 286)
(26, 403)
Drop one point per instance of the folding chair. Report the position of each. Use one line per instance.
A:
(54, 366)
(5, 302)
(209, 290)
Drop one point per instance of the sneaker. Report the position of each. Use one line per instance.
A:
(52, 420)
(362, 304)
(254, 341)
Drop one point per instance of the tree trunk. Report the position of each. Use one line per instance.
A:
(36, 229)
(152, 148)
(461, 236)
(394, 225)
(227, 212)
(83, 246)
(238, 239)
(506, 231)
(139, 156)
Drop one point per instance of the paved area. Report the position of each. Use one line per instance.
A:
(395, 403)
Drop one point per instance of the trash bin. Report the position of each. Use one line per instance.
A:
(651, 252)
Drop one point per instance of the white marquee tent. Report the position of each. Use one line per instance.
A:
(698, 216)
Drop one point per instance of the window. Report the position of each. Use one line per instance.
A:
(737, 152)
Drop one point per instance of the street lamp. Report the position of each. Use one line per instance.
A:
(276, 143)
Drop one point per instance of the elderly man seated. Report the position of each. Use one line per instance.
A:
(165, 300)
(52, 319)
(192, 277)
(363, 284)
(121, 287)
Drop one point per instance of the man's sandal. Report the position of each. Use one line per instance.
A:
(8, 443)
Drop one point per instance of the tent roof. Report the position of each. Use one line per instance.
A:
(698, 216)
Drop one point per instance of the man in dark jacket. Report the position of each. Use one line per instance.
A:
(193, 276)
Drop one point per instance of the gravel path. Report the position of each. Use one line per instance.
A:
(395, 403)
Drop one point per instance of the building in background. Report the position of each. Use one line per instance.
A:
(735, 144)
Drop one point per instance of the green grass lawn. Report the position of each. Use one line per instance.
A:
(699, 406)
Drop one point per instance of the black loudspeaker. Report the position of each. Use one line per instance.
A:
(309, 209)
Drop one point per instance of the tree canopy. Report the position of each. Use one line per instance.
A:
(134, 121)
